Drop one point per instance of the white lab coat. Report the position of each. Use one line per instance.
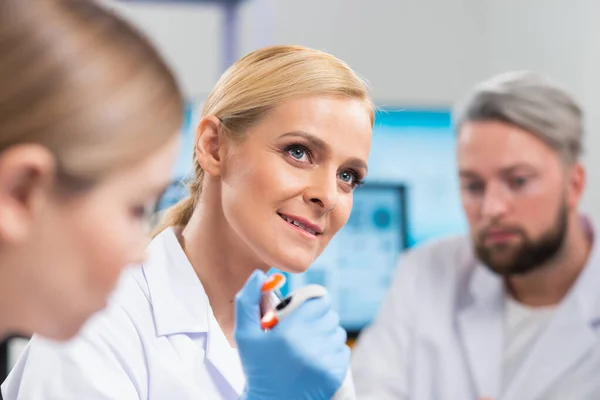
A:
(439, 335)
(158, 339)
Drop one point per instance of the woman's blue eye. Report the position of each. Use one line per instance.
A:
(346, 177)
(298, 153)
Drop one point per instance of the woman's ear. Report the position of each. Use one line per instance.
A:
(26, 177)
(208, 143)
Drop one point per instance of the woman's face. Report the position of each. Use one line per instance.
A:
(287, 188)
(71, 259)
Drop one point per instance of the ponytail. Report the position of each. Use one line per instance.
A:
(177, 215)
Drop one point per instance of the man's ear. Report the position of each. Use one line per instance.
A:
(26, 177)
(208, 145)
(576, 184)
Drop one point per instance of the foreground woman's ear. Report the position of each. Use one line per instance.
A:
(26, 177)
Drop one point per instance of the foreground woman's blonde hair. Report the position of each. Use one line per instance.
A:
(81, 82)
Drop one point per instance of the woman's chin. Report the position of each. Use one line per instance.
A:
(291, 260)
(294, 269)
(293, 266)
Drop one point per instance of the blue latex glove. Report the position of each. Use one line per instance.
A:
(303, 357)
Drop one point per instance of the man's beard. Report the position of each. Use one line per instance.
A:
(527, 255)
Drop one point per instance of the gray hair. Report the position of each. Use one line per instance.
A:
(530, 102)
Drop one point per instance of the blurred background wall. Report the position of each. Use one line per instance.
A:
(423, 52)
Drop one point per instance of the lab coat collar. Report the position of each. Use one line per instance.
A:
(179, 302)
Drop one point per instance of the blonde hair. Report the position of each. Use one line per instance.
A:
(257, 83)
(83, 83)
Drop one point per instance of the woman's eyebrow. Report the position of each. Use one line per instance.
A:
(314, 140)
(358, 164)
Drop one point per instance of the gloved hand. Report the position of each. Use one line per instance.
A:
(303, 357)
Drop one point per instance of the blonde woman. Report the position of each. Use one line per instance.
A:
(284, 140)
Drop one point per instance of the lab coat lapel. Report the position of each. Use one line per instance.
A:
(480, 322)
(223, 357)
(568, 338)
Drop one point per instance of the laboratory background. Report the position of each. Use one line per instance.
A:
(420, 57)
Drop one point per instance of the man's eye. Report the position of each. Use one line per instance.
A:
(474, 187)
(518, 182)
